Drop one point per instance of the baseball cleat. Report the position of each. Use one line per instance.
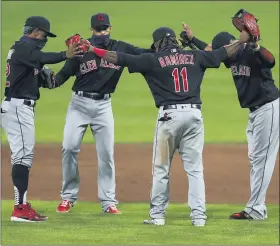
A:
(198, 223)
(240, 216)
(25, 213)
(64, 206)
(112, 210)
(158, 222)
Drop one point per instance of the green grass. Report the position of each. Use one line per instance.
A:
(85, 224)
(134, 22)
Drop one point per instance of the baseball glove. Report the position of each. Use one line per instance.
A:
(84, 44)
(47, 78)
(185, 41)
(243, 20)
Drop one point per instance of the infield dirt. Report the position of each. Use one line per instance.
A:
(226, 170)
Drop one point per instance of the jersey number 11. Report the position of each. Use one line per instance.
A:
(184, 76)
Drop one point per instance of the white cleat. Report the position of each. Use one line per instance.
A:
(198, 223)
(158, 222)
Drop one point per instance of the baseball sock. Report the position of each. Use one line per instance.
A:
(20, 176)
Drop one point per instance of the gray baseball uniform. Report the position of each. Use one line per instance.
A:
(251, 71)
(83, 112)
(174, 77)
(90, 106)
(183, 132)
(263, 146)
(23, 80)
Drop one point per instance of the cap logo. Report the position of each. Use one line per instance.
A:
(168, 34)
(100, 17)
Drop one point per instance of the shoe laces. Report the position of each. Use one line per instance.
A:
(64, 203)
(31, 210)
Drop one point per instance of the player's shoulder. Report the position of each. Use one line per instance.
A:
(119, 42)
(23, 47)
(18, 49)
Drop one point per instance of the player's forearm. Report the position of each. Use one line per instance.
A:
(51, 57)
(200, 44)
(117, 58)
(61, 78)
(110, 56)
(231, 49)
(266, 58)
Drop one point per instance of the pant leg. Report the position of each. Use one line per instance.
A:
(190, 150)
(74, 130)
(18, 124)
(163, 150)
(102, 127)
(264, 149)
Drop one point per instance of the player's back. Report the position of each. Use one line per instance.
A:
(176, 76)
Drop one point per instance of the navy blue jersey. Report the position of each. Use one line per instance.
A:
(252, 78)
(94, 74)
(24, 62)
(174, 76)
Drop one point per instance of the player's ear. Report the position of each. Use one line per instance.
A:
(92, 30)
(110, 29)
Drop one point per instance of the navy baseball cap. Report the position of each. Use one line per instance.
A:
(222, 39)
(161, 33)
(41, 23)
(100, 19)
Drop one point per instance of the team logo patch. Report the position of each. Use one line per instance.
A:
(100, 17)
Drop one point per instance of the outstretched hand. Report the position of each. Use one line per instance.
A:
(188, 30)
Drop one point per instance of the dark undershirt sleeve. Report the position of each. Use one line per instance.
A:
(212, 59)
(135, 64)
(69, 69)
(265, 58)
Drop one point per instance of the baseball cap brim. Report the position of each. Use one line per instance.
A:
(50, 34)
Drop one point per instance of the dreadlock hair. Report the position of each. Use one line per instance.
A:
(167, 43)
(27, 30)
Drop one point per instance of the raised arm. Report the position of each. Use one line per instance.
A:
(133, 50)
(197, 42)
(135, 63)
(264, 57)
(33, 57)
(212, 59)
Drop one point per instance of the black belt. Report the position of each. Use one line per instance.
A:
(94, 96)
(165, 107)
(252, 109)
(25, 102)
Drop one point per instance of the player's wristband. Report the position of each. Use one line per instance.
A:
(199, 44)
(99, 52)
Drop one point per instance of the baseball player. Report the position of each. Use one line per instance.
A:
(174, 76)
(96, 79)
(252, 76)
(24, 62)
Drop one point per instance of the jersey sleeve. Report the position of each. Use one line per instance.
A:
(133, 50)
(212, 59)
(135, 63)
(69, 69)
(33, 57)
(265, 58)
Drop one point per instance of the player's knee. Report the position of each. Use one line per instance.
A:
(71, 146)
(106, 155)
